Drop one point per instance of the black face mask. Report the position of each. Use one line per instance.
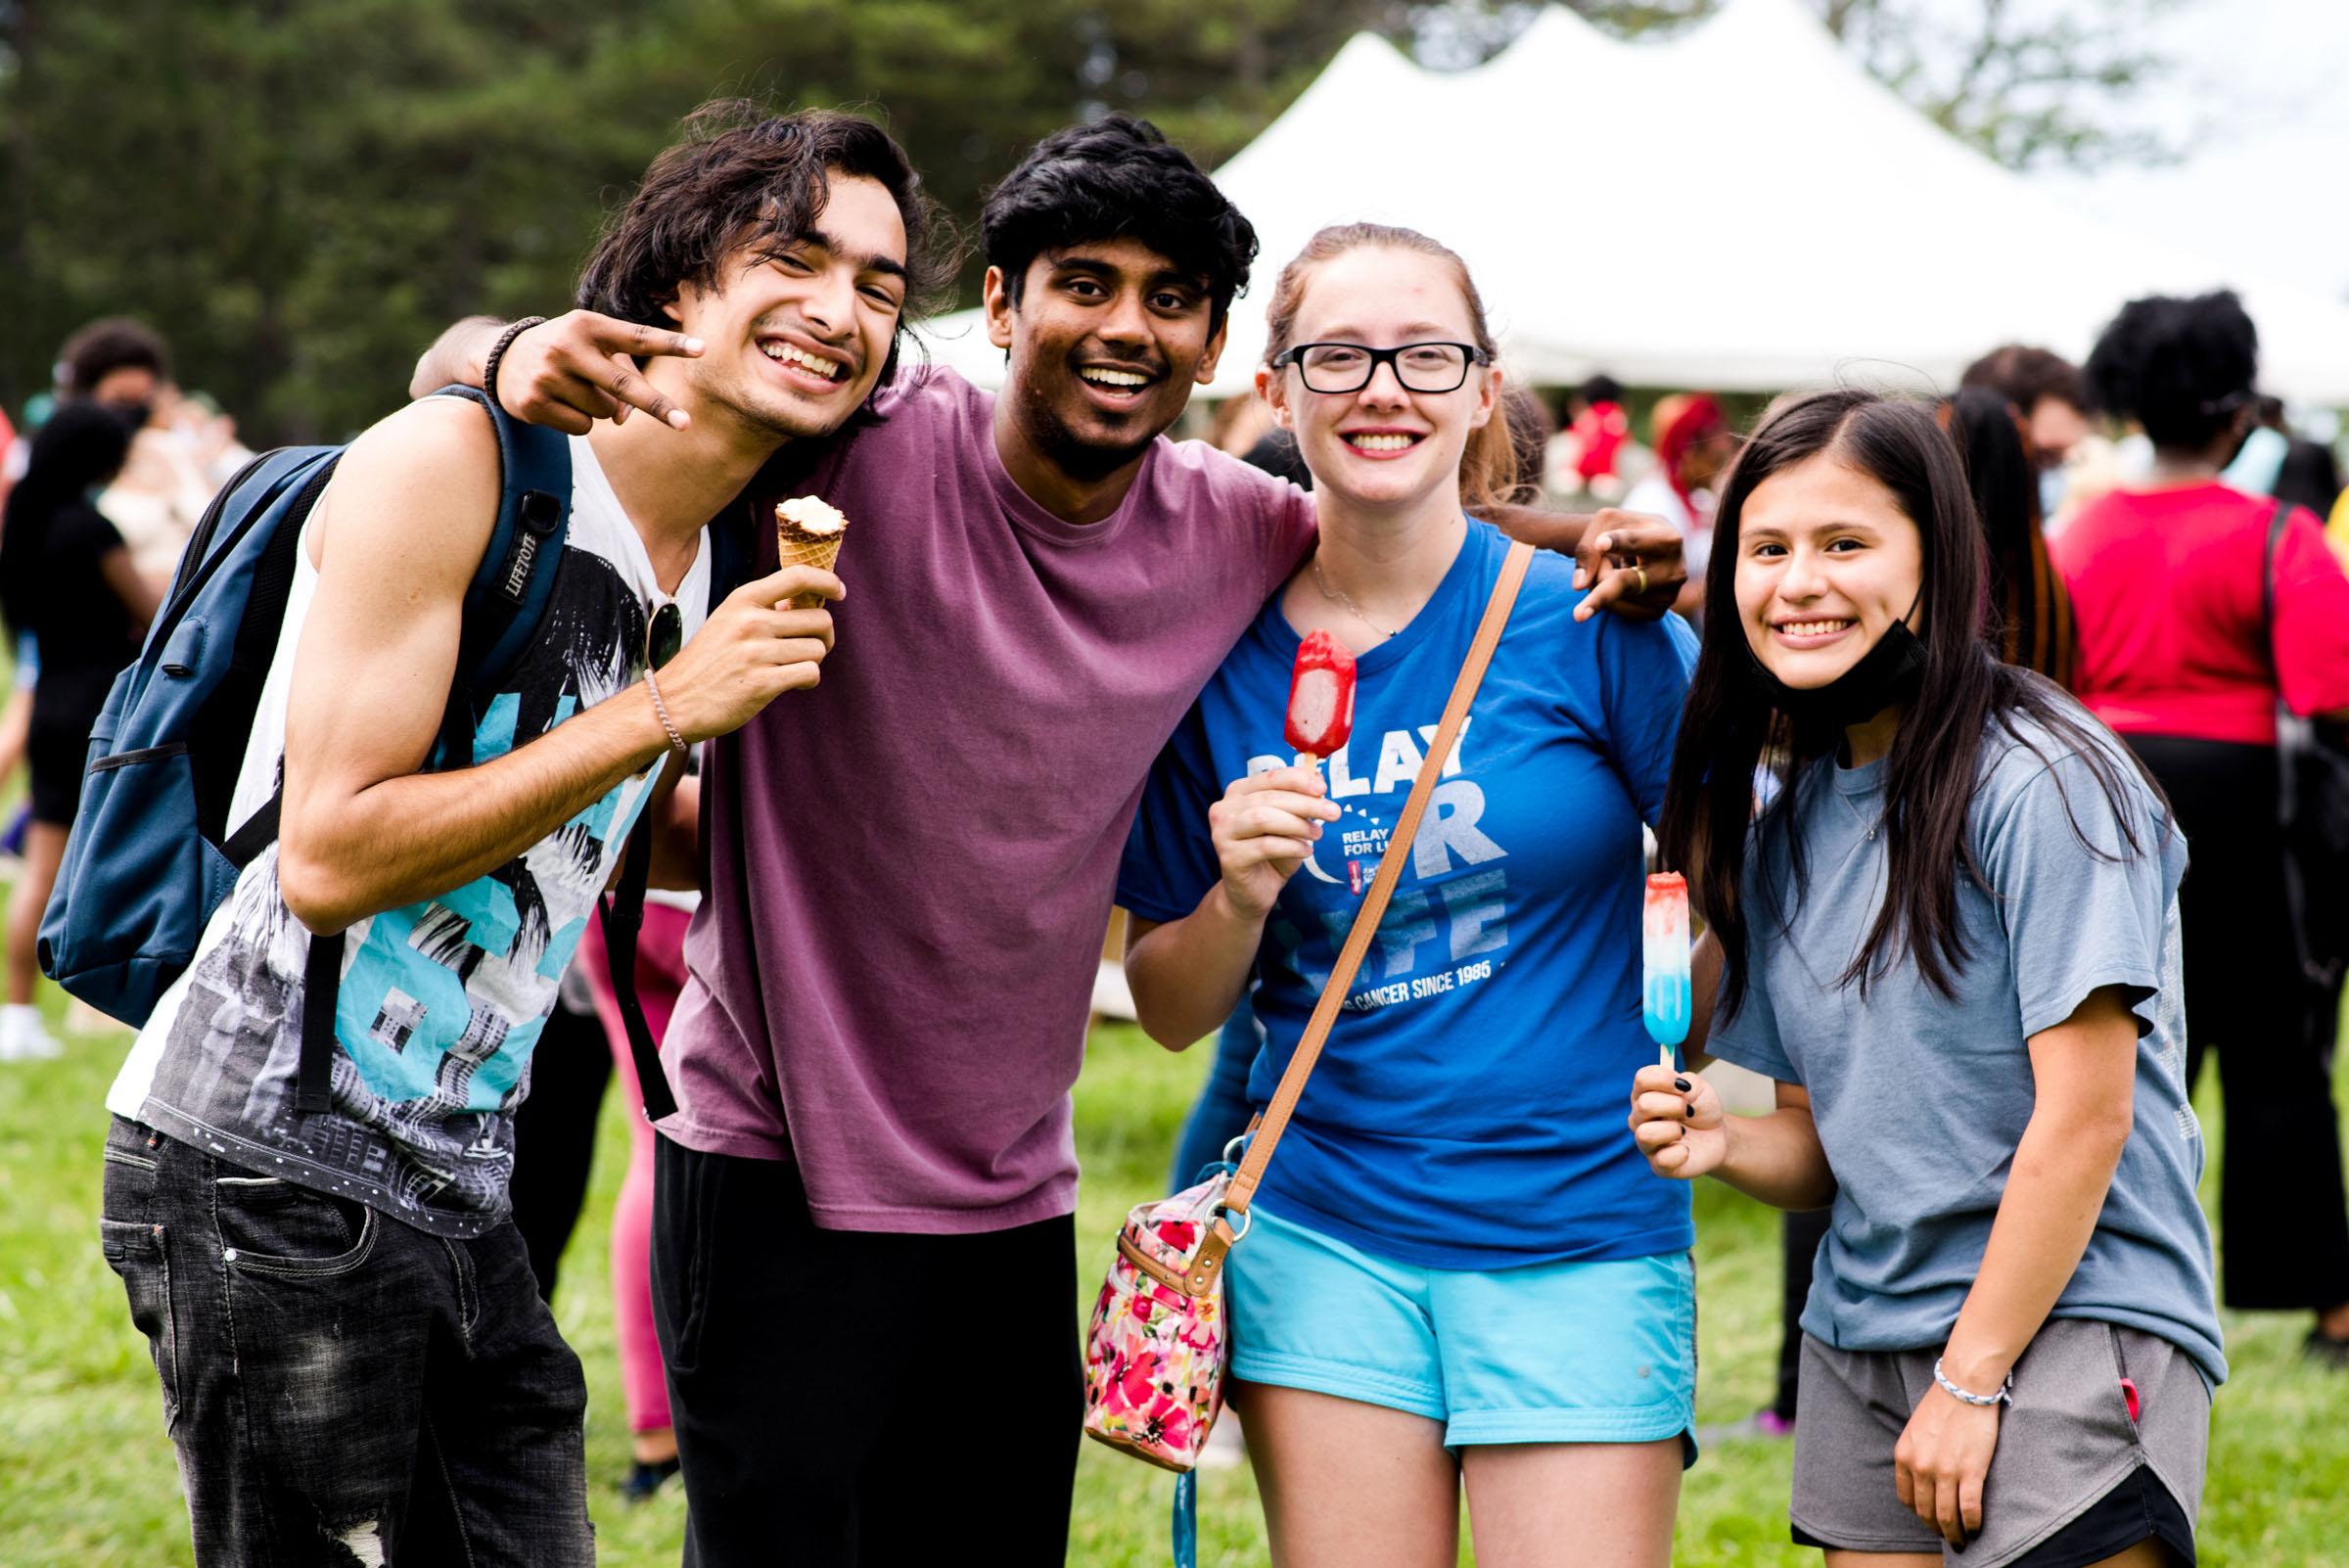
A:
(1890, 673)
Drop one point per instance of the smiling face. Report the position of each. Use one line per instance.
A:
(798, 331)
(1385, 445)
(1106, 343)
(1826, 560)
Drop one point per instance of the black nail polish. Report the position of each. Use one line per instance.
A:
(1688, 1112)
(1682, 1084)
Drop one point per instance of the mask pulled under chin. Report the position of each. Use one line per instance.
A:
(1890, 673)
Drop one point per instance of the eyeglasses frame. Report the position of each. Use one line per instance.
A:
(1390, 357)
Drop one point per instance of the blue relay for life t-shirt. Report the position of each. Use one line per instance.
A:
(1469, 1109)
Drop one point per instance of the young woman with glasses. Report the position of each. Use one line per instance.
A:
(1458, 1270)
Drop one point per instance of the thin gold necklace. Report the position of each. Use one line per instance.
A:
(1336, 597)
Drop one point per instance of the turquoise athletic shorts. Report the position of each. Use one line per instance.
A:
(1551, 1352)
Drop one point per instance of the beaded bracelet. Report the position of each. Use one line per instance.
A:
(660, 708)
(2004, 1395)
(497, 352)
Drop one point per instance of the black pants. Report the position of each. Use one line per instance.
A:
(554, 1136)
(1800, 1231)
(2283, 1226)
(343, 1388)
(857, 1398)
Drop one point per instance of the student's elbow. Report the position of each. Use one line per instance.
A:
(2106, 1134)
(1159, 1020)
(1156, 1022)
(315, 891)
(2096, 1133)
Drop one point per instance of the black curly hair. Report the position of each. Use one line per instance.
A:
(106, 345)
(1116, 178)
(2182, 368)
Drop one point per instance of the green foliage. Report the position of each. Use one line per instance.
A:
(300, 194)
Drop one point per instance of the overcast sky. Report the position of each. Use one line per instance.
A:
(2261, 88)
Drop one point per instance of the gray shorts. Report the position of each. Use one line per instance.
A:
(2066, 1440)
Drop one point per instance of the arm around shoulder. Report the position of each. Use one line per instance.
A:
(455, 357)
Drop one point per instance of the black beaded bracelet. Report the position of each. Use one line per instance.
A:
(497, 352)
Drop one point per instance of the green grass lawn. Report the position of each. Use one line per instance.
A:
(86, 1475)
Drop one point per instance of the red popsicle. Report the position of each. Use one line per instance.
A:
(1320, 695)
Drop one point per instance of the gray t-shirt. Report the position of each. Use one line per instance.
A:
(1921, 1098)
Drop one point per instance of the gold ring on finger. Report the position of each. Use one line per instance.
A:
(1642, 570)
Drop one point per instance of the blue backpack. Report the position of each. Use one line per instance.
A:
(152, 852)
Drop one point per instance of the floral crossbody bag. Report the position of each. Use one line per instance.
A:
(1157, 1349)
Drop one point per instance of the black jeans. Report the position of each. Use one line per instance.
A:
(2283, 1226)
(852, 1399)
(554, 1136)
(342, 1387)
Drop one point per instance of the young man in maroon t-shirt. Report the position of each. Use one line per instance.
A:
(864, 1254)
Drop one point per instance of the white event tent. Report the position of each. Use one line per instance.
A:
(1739, 207)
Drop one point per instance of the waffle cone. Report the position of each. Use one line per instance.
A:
(796, 547)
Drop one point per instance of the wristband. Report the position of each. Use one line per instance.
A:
(660, 708)
(497, 352)
(2004, 1395)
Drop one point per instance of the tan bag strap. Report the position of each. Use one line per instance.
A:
(1276, 1119)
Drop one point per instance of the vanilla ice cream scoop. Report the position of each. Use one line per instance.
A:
(808, 531)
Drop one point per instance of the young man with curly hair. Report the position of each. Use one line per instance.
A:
(355, 1361)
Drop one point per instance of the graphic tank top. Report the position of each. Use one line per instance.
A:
(442, 1000)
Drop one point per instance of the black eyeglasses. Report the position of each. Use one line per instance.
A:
(663, 635)
(1347, 367)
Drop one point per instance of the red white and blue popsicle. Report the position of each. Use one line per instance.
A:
(1667, 998)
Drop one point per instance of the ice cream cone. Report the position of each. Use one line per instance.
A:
(808, 532)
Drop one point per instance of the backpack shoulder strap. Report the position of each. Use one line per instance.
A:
(517, 575)
(622, 919)
(732, 563)
(2281, 515)
(2276, 520)
(503, 605)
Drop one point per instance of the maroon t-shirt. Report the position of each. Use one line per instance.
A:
(909, 867)
(2166, 592)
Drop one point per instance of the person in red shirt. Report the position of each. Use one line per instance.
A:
(2177, 654)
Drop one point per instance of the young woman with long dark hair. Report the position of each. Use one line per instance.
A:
(1951, 941)
(2034, 625)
